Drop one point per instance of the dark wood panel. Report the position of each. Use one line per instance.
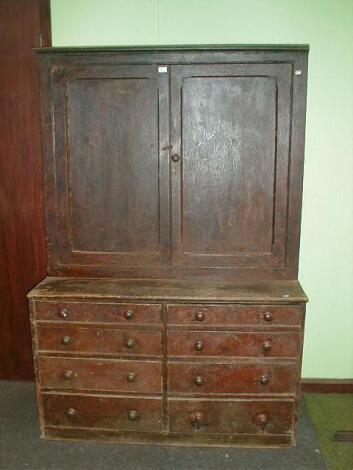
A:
(231, 129)
(228, 149)
(205, 378)
(100, 374)
(232, 344)
(113, 164)
(100, 412)
(125, 342)
(251, 417)
(88, 312)
(233, 315)
(22, 238)
(106, 169)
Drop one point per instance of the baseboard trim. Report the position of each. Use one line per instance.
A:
(327, 386)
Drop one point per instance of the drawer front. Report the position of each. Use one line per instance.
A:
(99, 312)
(233, 315)
(100, 374)
(197, 378)
(99, 340)
(231, 416)
(101, 412)
(228, 344)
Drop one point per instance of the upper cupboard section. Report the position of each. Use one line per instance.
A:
(173, 163)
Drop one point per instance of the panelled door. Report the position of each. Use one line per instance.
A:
(108, 197)
(181, 166)
(230, 131)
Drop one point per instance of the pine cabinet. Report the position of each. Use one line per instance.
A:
(173, 176)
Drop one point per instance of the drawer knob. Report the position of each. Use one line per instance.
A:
(130, 343)
(132, 415)
(264, 380)
(65, 340)
(70, 412)
(199, 380)
(63, 313)
(69, 374)
(175, 158)
(130, 377)
(199, 345)
(267, 345)
(198, 419)
(128, 314)
(262, 419)
(200, 316)
(268, 316)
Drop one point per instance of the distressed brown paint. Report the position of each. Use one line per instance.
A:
(124, 314)
(230, 344)
(172, 313)
(100, 375)
(231, 378)
(233, 315)
(104, 340)
(230, 416)
(103, 412)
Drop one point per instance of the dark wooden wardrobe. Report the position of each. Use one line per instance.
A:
(172, 313)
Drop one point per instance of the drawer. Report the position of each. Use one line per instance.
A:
(103, 412)
(71, 338)
(197, 378)
(99, 312)
(233, 315)
(231, 416)
(100, 374)
(225, 343)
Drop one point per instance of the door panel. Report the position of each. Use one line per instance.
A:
(109, 196)
(110, 158)
(23, 25)
(230, 124)
(221, 155)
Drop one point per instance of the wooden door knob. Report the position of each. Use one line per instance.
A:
(63, 313)
(130, 377)
(69, 374)
(128, 314)
(175, 158)
(199, 345)
(132, 415)
(200, 316)
(130, 343)
(199, 380)
(264, 380)
(262, 419)
(198, 419)
(65, 340)
(268, 316)
(70, 412)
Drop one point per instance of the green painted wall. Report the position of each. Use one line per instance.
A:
(326, 258)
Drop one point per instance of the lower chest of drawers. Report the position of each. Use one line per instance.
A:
(168, 373)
